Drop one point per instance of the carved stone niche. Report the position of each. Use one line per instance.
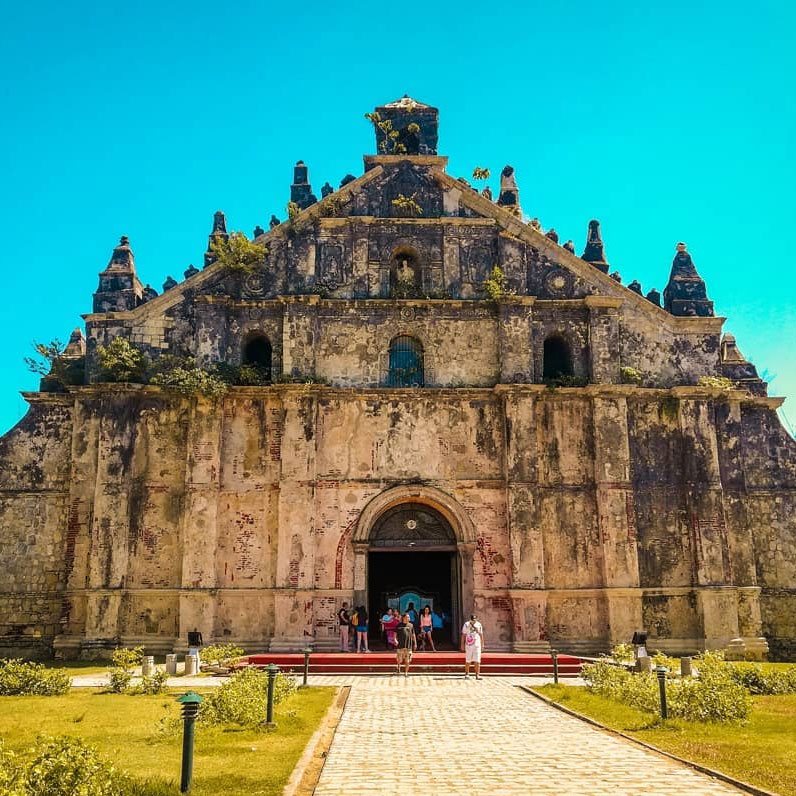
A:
(405, 274)
(333, 269)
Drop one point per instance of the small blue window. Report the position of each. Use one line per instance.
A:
(406, 362)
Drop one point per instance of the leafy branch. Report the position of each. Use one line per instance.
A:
(390, 144)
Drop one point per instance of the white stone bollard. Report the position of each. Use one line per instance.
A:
(191, 665)
(148, 665)
(685, 667)
(171, 665)
(644, 664)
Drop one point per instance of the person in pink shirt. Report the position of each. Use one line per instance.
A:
(426, 628)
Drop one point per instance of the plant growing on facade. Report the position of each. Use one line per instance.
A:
(121, 361)
(390, 143)
(406, 206)
(495, 285)
(188, 379)
(480, 173)
(716, 382)
(238, 253)
(56, 369)
(292, 211)
(630, 375)
(244, 375)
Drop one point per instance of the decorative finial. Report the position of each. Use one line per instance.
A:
(190, 271)
(685, 294)
(509, 191)
(594, 252)
(654, 296)
(274, 222)
(569, 246)
(170, 283)
(552, 234)
(258, 230)
(635, 286)
(326, 189)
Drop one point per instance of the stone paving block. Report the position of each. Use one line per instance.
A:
(489, 736)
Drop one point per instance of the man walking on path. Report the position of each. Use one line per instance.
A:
(344, 620)
(472, 644)
(407, 642)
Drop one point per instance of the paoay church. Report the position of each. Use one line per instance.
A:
(452, 407)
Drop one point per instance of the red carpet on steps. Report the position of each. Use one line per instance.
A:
(431, 662)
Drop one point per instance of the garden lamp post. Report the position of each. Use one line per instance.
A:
(307, 651)
(273, 670)
(661, 672)
(554, 656)
(190, 702)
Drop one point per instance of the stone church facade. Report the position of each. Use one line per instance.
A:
(566, 458)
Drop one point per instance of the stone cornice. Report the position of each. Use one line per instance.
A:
(440, 161)
(537, 390)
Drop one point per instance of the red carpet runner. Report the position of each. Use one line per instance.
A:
(427, 662)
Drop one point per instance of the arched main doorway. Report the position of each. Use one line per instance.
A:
(413, 559)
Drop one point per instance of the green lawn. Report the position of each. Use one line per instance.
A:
(228, 762)
(762, 752)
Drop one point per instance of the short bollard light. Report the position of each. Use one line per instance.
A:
(661, 672)
(554, 656)
(273, 671)
(190, 702)
(307, 651)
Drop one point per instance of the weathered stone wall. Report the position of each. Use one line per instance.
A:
(35, 537)
(132, 515)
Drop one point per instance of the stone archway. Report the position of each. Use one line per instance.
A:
(460, 543)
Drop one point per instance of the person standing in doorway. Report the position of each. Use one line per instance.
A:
(407, 643)
(362, 629)
(344, 621)
(472, 645)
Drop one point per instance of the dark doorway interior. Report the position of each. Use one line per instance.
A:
(431, 573)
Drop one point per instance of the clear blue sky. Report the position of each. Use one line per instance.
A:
(667, 121)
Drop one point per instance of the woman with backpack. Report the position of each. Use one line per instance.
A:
(361, 624)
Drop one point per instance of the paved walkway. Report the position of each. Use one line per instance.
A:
(485, 737)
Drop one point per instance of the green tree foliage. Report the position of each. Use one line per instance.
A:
(188, 379)
(18, 677)
(56, 370)
(121, 361)
(244, 375)
(480, 173)
(238, 253)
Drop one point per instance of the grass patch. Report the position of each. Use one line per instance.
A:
(227, 762)
(759, 752)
